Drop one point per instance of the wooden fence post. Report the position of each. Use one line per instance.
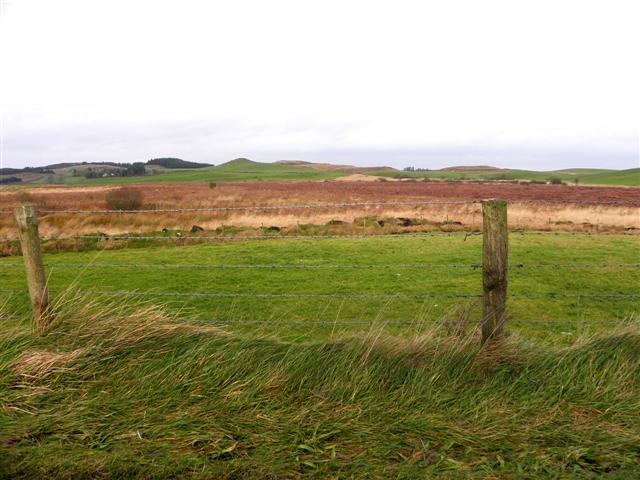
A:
(495, 243)
(27, 222)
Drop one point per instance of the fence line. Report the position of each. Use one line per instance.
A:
(349, 295)
(271, 207)
(227, 238)
(494, 266)
(276, 295)
(204, 266)
(417, 203)
(339, 295)
(417, 322)
(215, 238)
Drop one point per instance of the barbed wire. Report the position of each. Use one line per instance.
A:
(263, 237)
(417, 322)
(196, 266)
(573, 295)
(276, 295)
(226, 238)
(562, 322)
(349, 295)
(339, 295)
(272, 207)
(520, 266)
(622, 203)
(525, 233)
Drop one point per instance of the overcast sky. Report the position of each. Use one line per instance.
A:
(530, 84)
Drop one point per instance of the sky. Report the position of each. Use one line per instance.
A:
(522, 84)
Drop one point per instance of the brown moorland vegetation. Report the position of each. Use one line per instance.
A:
(556, 213)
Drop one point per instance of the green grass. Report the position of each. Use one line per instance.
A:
(623, 177)
(124, 393)
(422, 312)
(234, 171)
(130, 387)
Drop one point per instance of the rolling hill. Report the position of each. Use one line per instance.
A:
(242, 169)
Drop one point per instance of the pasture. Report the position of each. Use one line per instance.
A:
(352, 355)
(332, 283)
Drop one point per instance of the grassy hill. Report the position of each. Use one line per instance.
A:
(243, 169)
(586, 176)
(620, 177)
(240, 169)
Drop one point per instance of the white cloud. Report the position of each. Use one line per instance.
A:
(126, 80)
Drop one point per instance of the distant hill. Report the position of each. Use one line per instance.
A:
(170, 169)
(583, 176)
(616, 177)
(347, 169)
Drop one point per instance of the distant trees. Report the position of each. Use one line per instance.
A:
(169, 162)
(8, 180)
(13, 171)
(414, 169)
(135, 169)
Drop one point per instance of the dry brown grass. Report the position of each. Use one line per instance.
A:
(586, 217)
(40, 364)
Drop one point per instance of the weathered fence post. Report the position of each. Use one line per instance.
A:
(495, 243)
(27, 222)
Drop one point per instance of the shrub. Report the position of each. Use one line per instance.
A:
(212, 184)
(24, 197)
(555, 181)
(124, 198)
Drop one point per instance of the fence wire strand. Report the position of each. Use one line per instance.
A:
(196, 266)
(307, 206)
(339, 295)
(416, 203)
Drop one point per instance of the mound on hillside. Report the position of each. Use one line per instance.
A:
(330, 167)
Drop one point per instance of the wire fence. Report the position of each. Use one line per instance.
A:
(178, 237)
(472, 266)
(336, 205)
(136, 293)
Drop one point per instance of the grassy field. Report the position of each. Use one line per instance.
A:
(585, 176)
(234, 171)
(150, 387)
(129, 274)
